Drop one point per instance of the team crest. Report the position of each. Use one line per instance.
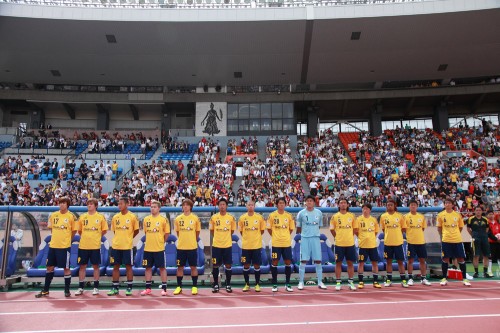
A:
(255, 222)
(370, 229)
(394, 225)
(227, 221)
(127, 221)
(157, 224)
(65, 220)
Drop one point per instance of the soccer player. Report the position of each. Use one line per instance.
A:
(187, 226)
(156, 229)
(343, 227)
(494, 241)
(450, 225)
(63, 226)
(394, 225)
(125, 226)
(280, 225)
(367, 241)
(416, 225)
(91, 227)
(251, 226)
(478, 228)
(309, 220)
(222, 226)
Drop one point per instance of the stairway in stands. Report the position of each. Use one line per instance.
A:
(348, 138)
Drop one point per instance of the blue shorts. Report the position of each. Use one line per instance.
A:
(347, 252)
(85, 255)
(417, 251)
(453, 250)
(251, 257)
(187, 256)
(222, 255)
(156, 259)
(281, 252)
(394, 252)
(121, 257)
(365, 253)
(58, 257)
(310, 248)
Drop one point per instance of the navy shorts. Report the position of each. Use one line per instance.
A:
(347, 252)
(121, 257)
(58, 257)
(281, 252)
(222, 255)
(251, 257)
(417, 251)
(453, 250)
(394, 252)
(187, 256)
(85, 255)
(371, 254)
(156, 259)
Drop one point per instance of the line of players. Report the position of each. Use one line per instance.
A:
(280, 224)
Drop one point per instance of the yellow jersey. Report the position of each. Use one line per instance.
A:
(368, 230)
(62, 226)
(344, 225)
(124, 226)
(155, 229)
(251, 228)
(281, 226)
(186, 228)
(393, 225)
(416, 225)
(90, 228)
(223, 227)
(450, 224)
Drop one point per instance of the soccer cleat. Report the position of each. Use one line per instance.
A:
(274, 289)
(322, 286)
(229, 289)
(476, 275)
(67, 293)
(487, 276)
(95, 292)
(387, 283)
(289, 288)
(215, 288)
(42, 293)
(194, 291)
(443, 282)
(113, 292)
(128, 292)
(411, 282)
(338, 286)
(257, 288)
(177, 291)
(300, 286)
(466, 282)
(146, 292)
(79, 292)
(426, 282)
(246, 288)
(163, 292)
(404, 284)
(351, 286)
(361, 285)
(376, 285)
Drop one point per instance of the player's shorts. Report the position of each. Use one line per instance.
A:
(222, 255)
(452, 250)
(121, 257)
(84, 256)
(481, 247)
(156, 259)
(58, 257)
(495, 252)
(310, 249)
(251, 257)
(281, 252)
(187, 256)
(394, 252)
(347, 252)
(417, 251)
(368, 253)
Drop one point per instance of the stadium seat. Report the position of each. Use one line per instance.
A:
(39, 268)
(73, 259)
(104, 259)
(137, 267)
(11, 255)
(171, 257)
(237, 267)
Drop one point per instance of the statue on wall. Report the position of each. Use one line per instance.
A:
(211, 121)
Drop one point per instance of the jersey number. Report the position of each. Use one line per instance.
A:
(144, 262)
(274, 255)
(148, 224)
(181, 223)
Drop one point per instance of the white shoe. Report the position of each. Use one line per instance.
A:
(274, 289)
(466, 283)
(443, 282)
(289, 288)
(300, 286)
(79, 292)
(351, 286)
(425, 282)
(321, 285)
(338, 286)
(95, 292)
(410, 282)
(387, 283)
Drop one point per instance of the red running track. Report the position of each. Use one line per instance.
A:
(417, 309)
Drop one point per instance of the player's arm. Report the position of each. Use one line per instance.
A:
(211, 226)
(233, 226)
(490, 235)
(469, 229)
(79, 226)
(332, 226)
(269, 225)
(299, 222)
(136, 226)
(355, 226)
(403, 225)
(292, 226)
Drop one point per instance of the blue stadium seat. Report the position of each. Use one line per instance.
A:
(73, 259)
(39, 268)
(237, 267)
(171, 256)
(11, 255)
(104, 259)
(137, 267)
